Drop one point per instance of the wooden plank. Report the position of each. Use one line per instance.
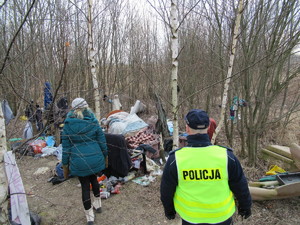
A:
(281, 150)
(289, 190)
(259, 194)
(281, 192)
(277, 156)
(263, 184)
(295, 151)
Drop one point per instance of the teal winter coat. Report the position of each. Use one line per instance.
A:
(84, 145)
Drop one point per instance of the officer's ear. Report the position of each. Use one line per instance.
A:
(187, 129)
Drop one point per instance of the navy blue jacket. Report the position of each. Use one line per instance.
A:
(237, 180)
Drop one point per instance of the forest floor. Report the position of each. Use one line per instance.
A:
(135, 205)
(61, 204)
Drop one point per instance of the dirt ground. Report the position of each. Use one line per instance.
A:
(136, 205)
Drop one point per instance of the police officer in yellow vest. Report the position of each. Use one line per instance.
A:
(201, 181)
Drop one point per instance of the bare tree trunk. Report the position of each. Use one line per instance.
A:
(3, 180)
(92, 61)
(241, 131)
(161, 124)
(174, 76)
(230, 66)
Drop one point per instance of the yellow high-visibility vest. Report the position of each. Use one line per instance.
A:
(203, 194)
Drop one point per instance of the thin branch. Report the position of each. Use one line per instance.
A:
(56, 91)
(3, 4)
(161, 16)
(51, 107)
(79, 9)
(15, 36)
(220, 81)
(187, 14)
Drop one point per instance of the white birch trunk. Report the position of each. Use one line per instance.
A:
(91, 55)
(174, 75)
(229, 72)
(3, 179)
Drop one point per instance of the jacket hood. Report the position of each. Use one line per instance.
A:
(81, 126)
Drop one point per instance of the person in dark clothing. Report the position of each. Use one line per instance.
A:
(29, 112)
(62, 103)
(62, 106)
(39, 118)
(200, 180)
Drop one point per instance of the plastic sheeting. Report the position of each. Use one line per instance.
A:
(125, 124)
(19, 207)
(7, 112)
(28, 131)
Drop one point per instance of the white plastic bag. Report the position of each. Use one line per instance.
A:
(28, 132)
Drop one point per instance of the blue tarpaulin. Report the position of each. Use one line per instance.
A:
(47, 95)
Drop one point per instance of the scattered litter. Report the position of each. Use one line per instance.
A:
(50, 141)
(129, 177)
(37, 145)
(48, 150)
(23, 118)
(28, 131)
(170, 126)
(144, 180)
(58, 152)
(152, 166)
(104, 194)
(158, 172)
(274, 170)
(15, 139)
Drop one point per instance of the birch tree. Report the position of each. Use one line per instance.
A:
(92, 61)
(230, 67)
(174, 72)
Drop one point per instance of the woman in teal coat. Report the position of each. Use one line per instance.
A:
(84, 152)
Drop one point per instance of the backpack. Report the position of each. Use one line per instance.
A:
(58, 174)
(59, 170)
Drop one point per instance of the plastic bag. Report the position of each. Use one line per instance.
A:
(274, 170)
(48, 151)
(50, 141)
(38, 145)
(28, 132)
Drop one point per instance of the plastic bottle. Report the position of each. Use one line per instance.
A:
(129, 177)
(104, 194)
